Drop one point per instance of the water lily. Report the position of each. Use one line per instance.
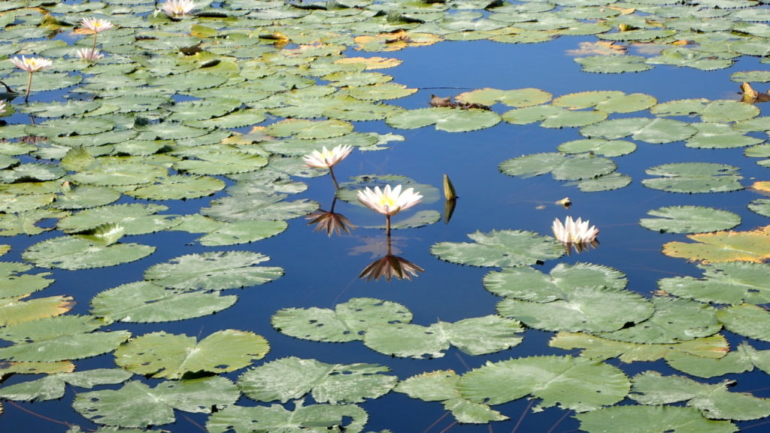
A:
(96, 25)
(389, 201)
(328, 159)
(31, 65)
(176, 8)
(574, 232)
(2, 107)
(89, 54)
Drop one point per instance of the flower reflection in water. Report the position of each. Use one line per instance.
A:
(390, 266)
(330, 221)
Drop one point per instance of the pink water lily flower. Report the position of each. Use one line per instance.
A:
(89, 54)
(176, 8)
(574, 232)
(389, 201)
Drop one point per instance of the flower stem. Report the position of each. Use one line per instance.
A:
(334, 179)
(387, 230)
(93, 47)
(29, 87)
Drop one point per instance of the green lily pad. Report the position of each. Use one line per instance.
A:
(747, 320)
(641, 128)
(136, 219)
(672, 321)
(52, 387)
(743, 358)
(173, 356)
(348, 322)
(500, 248)
(138, 405)
(613, 64)
(529, 284)
(587, 308)
(213, 271)
(13, 283)
(598, 146)
(242, 232)
(710, 111)
(474, 336)
(689, 219)
(651, 419)
(291, 378)
(561, 167)
(694, 177)
(144, 302)
(73, 252)
(316, 418)
(714, 401)
(571, 383)
(445, 119)
(179, 187)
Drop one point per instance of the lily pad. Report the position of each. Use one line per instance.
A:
(73, 252)
(651, 419)
(694, 177)
(724, 283)
(690, 219)
(291, 378)
(173, 356)
(213, 271)
(316, 418)
(749, 246)
(500, 248)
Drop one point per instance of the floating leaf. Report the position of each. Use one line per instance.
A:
(571, 383)
(173, 356)
(529, 284)
(213, 271)
(499, 248)
(724, 283)
(73, 252)
(475, 336)
(642, 129)
(512, 98)
(651, 419)
(710, 111)
(561, 167)
(14, 284)
(714, 401)
(672, 321)
(445, 119)
(138, 405)
(243, 232)
(690, 219)
(52, 387)
(441, 386)
(613, 64)
(179, 187)
(750, 246)
(17, 310)
(144, 302)
(694, 177)
(587, 308)
(748, 320)
(608, 148)
(291, 378)
(743, 358)
(599, 349)
(348, 322)
(316, 418)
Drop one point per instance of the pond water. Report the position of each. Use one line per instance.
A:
(323, 272)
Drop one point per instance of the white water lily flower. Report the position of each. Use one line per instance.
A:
(175, 8)
(32, 64)
(2, 107)
(574, 232)
(389, 201)
(89, 54)
(327, 158)
(96, 25)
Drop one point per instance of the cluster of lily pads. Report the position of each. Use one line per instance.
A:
(186, 100)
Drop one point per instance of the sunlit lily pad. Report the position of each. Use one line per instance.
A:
(743, 358)
(500, 248)
(587, 308)
(714, 401)
(653, 130)
(613, 64)
(242, 232)
(65, 345)
(213, 271)
(608, 148)
(144, 302)
(73, 252)
(694, 177)
(529, 284)
(748, 320)
(561, 167)
(719, 136)
(445, 119)
(14, 283)
(672, 321)
(316, 418)
(724, 283)
(474, 336)
(512, 98)
(172, 356)
(710, 111)
(599, 349)
(136, 219)
(179, 187)
(651, 419)
(607, 182)
(265, 207)
(291, 378)
(52, 387)
(84, 197)
(571, 383)
(348, 322)
(749, 246)
(552, 116)
(689, 219)
(442, 386)
(19, 310)
(138, 405)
